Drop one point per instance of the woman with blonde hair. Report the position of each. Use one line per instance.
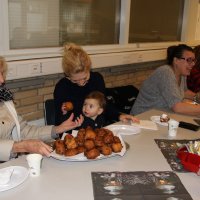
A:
(78, 82)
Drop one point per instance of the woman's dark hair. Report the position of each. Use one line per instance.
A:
(176, 52)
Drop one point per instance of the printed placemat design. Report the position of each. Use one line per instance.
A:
(139, 185)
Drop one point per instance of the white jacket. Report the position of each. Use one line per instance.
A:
(7, 124)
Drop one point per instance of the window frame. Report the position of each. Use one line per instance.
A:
(188, 23)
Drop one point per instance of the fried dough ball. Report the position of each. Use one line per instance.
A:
(80, 138)
(99, 141)
(109, 132)
(71, 152)
(92, 154)
(90, 133)
(59, 147)
(108, 138)
(106, 150)
(81, 133)
(89, 144)
(71, 143)
(81, 149)
(67, 136)
(101, 132)
(116, 139)
(69, 106)
(80, 141)
(116, 147)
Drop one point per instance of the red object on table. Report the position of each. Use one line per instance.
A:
(190, 161)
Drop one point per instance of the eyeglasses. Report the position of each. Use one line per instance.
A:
(189, 60)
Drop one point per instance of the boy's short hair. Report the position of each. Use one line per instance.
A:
(99, 96)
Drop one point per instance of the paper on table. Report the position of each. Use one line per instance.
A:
(146, 124)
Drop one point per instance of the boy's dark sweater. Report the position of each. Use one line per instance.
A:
(99, 122)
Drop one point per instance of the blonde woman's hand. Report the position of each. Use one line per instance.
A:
(67, 106)
(63, 109)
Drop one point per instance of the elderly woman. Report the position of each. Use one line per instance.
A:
(16, 135)
(166, 88)
(78, 82)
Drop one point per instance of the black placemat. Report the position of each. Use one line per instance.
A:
(169, 149)
(139, 185)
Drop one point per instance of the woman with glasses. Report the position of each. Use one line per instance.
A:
(78, 82)
(193, 80)
(166, 88)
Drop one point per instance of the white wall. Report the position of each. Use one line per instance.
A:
(190, 21)
(39, 67)
(197, 33)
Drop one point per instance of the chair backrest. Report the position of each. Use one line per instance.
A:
(49, 112)
(122, 97)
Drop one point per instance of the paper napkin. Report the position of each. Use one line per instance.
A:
(146, 124)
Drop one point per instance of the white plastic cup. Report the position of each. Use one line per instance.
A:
(172, 128)
(34, 162)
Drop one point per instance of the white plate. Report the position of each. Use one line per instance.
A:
(124, 129)
(156, 119)
(19, 175)
(80, 157)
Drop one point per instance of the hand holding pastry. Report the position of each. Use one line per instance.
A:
(67, 106)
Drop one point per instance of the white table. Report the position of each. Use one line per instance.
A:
(72, 180)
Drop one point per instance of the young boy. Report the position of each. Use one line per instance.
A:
(93, 108)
